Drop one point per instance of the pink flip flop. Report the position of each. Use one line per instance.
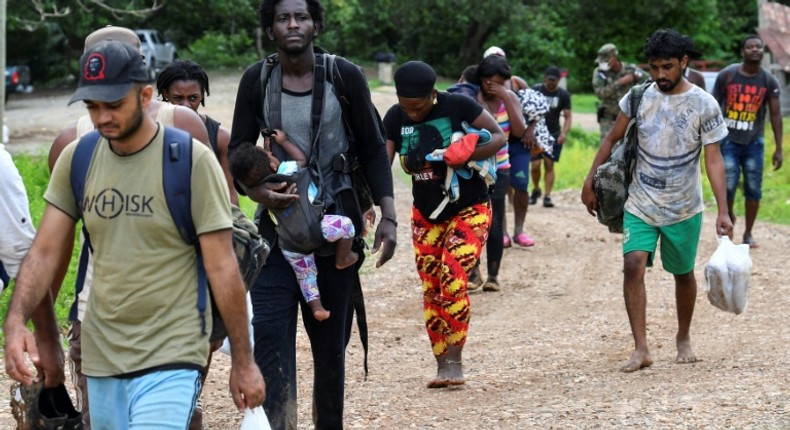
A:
(523, 240)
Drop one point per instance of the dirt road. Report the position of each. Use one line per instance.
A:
(544, 352)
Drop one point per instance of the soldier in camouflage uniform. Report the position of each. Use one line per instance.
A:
(611, 80)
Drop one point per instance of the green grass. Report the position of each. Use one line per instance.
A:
(581, 148)
(583, 103)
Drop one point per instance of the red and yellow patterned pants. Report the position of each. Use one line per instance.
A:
(445, 253)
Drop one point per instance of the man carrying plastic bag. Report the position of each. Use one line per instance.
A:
(676, 123)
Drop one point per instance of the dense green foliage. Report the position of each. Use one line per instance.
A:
(449, 34)
(222, 51)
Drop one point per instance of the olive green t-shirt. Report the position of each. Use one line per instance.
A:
(143, 302)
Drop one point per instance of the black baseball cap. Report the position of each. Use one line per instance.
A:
(107, 72)
(552, 72)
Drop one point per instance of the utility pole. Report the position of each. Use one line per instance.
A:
(760, 20)
(2, 63)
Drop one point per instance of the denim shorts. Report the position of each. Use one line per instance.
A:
(162, 399)
(749, 159)
(519, 167)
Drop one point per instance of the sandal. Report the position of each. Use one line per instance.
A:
(523, 240)
(506, 241)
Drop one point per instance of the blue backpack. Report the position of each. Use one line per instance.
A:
(251, 249)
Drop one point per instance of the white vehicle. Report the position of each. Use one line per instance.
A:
(157, 50)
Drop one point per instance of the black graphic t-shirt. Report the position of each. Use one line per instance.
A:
(743, 100)
(413, 141)
(559, 100)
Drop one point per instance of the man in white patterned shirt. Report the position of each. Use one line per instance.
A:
(676, 121)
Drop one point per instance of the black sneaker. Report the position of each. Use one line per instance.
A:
(547, 202)
(533, 198)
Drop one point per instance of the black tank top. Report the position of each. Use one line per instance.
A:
(212, 127)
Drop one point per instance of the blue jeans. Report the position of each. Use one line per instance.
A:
(276, 298)
(749, 159)
(163, 399)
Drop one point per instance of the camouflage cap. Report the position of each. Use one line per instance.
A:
(111, 32)
(606, 52)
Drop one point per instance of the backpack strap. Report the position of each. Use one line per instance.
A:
(317, 107)
(634, 99)
(266, 73)
(336, 79)
(177, 185)
(80, 163)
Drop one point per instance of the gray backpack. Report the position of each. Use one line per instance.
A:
(613, 177)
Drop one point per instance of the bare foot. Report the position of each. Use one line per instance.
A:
(317, 308)
(638, 360)
(685, 353)
(749, 240)
(350, 259)
(438, 383)
(321, 314)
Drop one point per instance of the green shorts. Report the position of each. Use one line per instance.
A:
(678, 241)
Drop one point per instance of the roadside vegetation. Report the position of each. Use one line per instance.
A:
(450, 36)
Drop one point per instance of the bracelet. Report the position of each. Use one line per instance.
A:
(390, 219)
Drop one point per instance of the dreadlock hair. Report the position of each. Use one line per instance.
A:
(667, 43)
(493, 65)
(183, 70)
(266, 13)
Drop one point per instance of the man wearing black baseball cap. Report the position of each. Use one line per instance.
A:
(107, 72)
(142, 342)
(163, 113)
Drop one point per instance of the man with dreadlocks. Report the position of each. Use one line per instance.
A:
(676, 122)
(185, 83)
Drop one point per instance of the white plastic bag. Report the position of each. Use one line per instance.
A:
(727, 276)
(225, 348)
(255, 419)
